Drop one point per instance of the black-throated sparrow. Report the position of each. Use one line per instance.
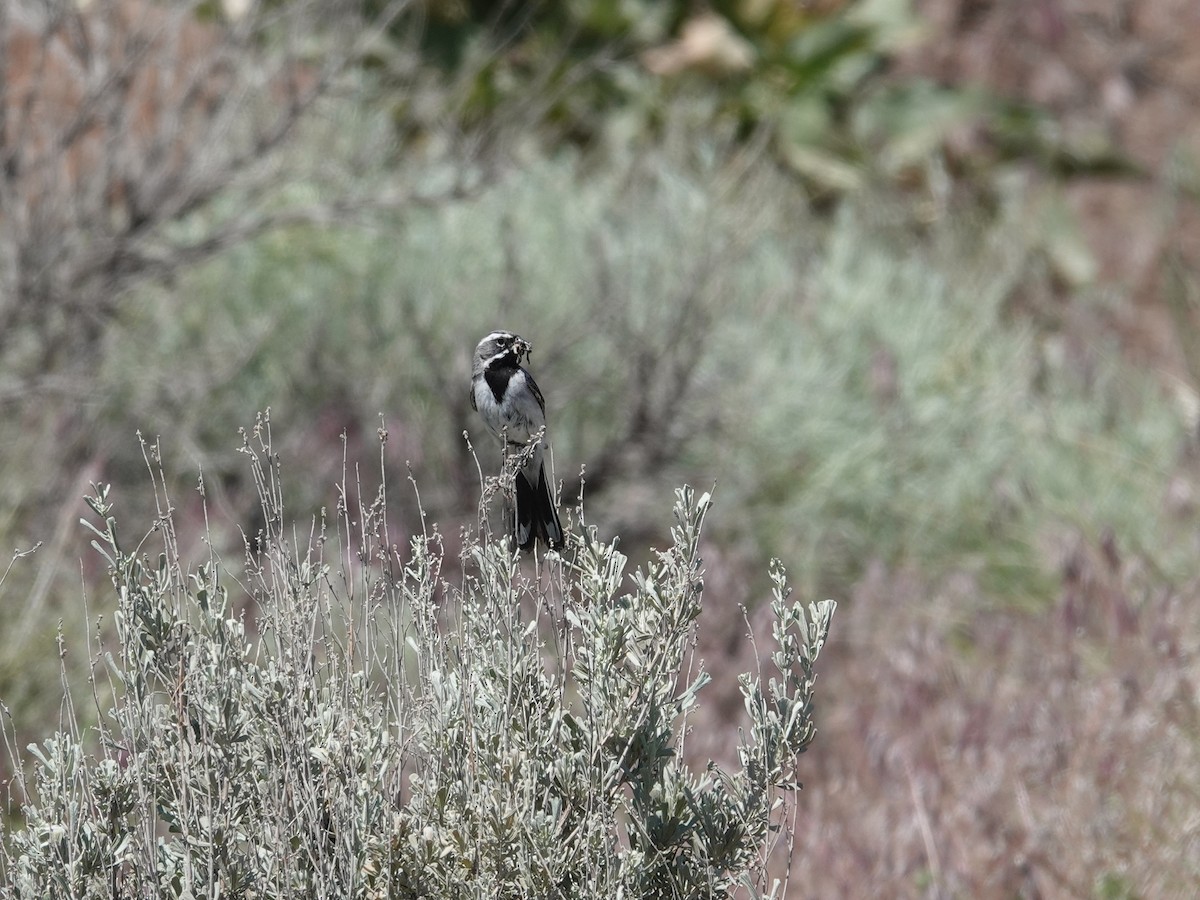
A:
(513, 409)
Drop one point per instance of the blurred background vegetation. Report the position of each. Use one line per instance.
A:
(912, 282)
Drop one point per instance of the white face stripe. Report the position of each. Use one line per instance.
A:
(497, 335)
(491, 359)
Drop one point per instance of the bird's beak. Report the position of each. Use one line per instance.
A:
(523, 347)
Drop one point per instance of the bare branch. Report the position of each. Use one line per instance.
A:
(122, 117)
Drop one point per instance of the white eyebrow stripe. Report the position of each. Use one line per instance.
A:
(497, 335)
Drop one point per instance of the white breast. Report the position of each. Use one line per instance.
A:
(519, 412)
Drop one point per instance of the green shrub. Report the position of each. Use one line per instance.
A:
(858, 390)
(898, 412)
(344, 718)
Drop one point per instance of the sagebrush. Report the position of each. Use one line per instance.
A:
(346, 717)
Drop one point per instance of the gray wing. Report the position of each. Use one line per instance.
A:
(541, 401)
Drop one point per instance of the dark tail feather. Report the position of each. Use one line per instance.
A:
(547, 514)
(527, 532)
(537, 515)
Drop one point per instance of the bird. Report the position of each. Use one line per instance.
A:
(507, 398)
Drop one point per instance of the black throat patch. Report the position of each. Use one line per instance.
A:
(498, 375)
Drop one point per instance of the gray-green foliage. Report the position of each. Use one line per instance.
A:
(615, 288)
(859, 391)
(899, 412)
(341, 718)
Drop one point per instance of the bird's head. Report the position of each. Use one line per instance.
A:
(501, 347)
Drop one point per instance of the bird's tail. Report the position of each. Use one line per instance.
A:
(537, 513)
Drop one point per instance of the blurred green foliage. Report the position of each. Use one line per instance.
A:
(804, 77)
(861, 392)
(812, 81)
(904, 415)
